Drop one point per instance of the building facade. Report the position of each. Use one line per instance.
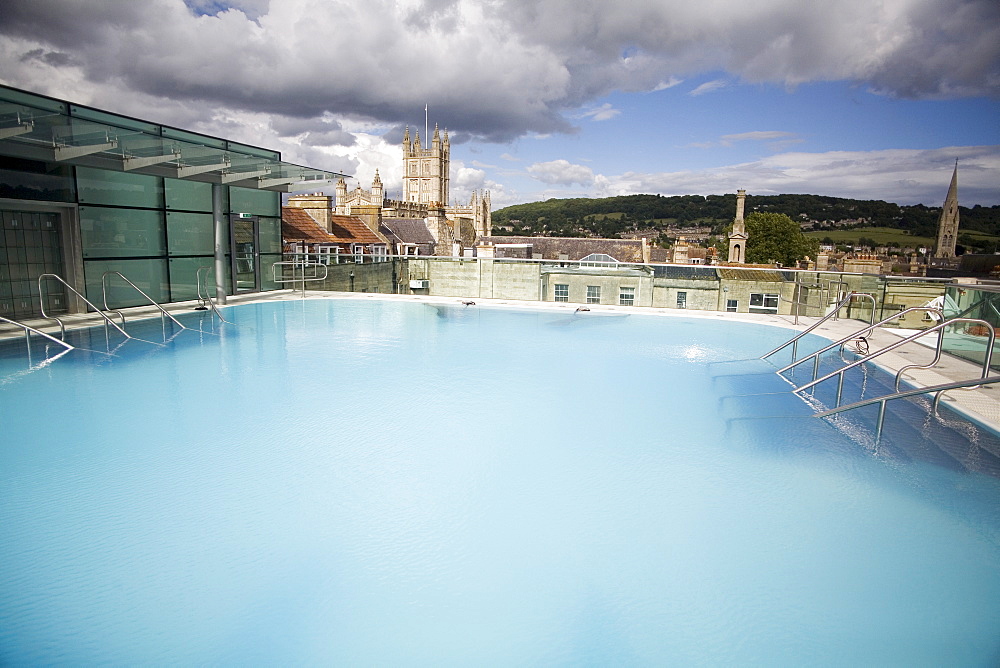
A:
(85, 193)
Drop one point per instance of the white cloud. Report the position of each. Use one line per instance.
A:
(905, 176)
(757, 135)
(603, 113)
(669, 83)
(708, 87)
(561, 172)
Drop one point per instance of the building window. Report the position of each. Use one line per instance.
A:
(593, 294)
(598, 260)
(562, 292)
(626, 296)
(762, 302)
(682, 300)
(359, 253)
(732, 305)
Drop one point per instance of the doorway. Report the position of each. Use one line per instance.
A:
(244, 242)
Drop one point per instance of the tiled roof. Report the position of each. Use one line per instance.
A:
(734, 273)
(687, 272)
(576, 248)
(297, 225)
(350, 229)
(408, 230)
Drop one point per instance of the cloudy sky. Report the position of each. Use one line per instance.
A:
(872, 99)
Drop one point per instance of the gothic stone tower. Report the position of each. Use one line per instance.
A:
(948, 223)
(738, 237)
(426, 178)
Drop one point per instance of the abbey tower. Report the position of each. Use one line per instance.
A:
(427, 171)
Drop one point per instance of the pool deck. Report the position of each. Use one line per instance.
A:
(981, 405)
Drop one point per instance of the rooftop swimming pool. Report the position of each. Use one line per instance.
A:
(350, 482)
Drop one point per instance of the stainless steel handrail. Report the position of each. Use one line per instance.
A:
(902, 342)
(62, 326)
(104, 287)
(208, 269)
(816, 324)
(28, 331)
(299, 263)
(860, 333)
(207, 298)
(937, 389)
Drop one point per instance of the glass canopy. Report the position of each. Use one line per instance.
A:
(38, 128)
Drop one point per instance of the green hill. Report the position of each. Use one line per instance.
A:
(665, 217)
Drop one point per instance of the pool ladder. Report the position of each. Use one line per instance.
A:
(860, 336)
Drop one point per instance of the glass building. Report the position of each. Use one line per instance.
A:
(85, 192)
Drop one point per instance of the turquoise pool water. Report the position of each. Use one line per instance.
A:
(384, 483)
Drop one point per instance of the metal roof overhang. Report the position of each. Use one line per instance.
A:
(57, 135)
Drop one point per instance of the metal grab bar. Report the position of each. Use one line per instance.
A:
(62, 326)
(28, 331)
(861, 332)
(104, 287)
(914, 337)
(816, 324)
(197, 278)
(207, 298)
(299, 263)
(937, 389)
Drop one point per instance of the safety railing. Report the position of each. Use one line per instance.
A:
(794, 341)
(303, 279)
(938, 391)
(954, 321)
(861, 333)
(104, 288)
(62, 326)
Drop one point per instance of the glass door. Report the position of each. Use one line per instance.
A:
(245, 253)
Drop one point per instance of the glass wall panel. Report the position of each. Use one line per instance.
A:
(194, 138)
(121, 232)
(190, 233)
(184, 277)
(255, 151)
(267, 281)
(31, 100)
(29, 179)
(99, 186)
(149, 274)
(258, 202)
(107, 118)
(188, 195)
(269, 230)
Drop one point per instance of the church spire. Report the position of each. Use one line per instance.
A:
(948, 223)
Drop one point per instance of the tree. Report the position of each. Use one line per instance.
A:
(774, 237)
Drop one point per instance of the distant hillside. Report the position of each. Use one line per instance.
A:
(665, 217)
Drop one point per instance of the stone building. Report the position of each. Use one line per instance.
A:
(426, 192)
(948, 222)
